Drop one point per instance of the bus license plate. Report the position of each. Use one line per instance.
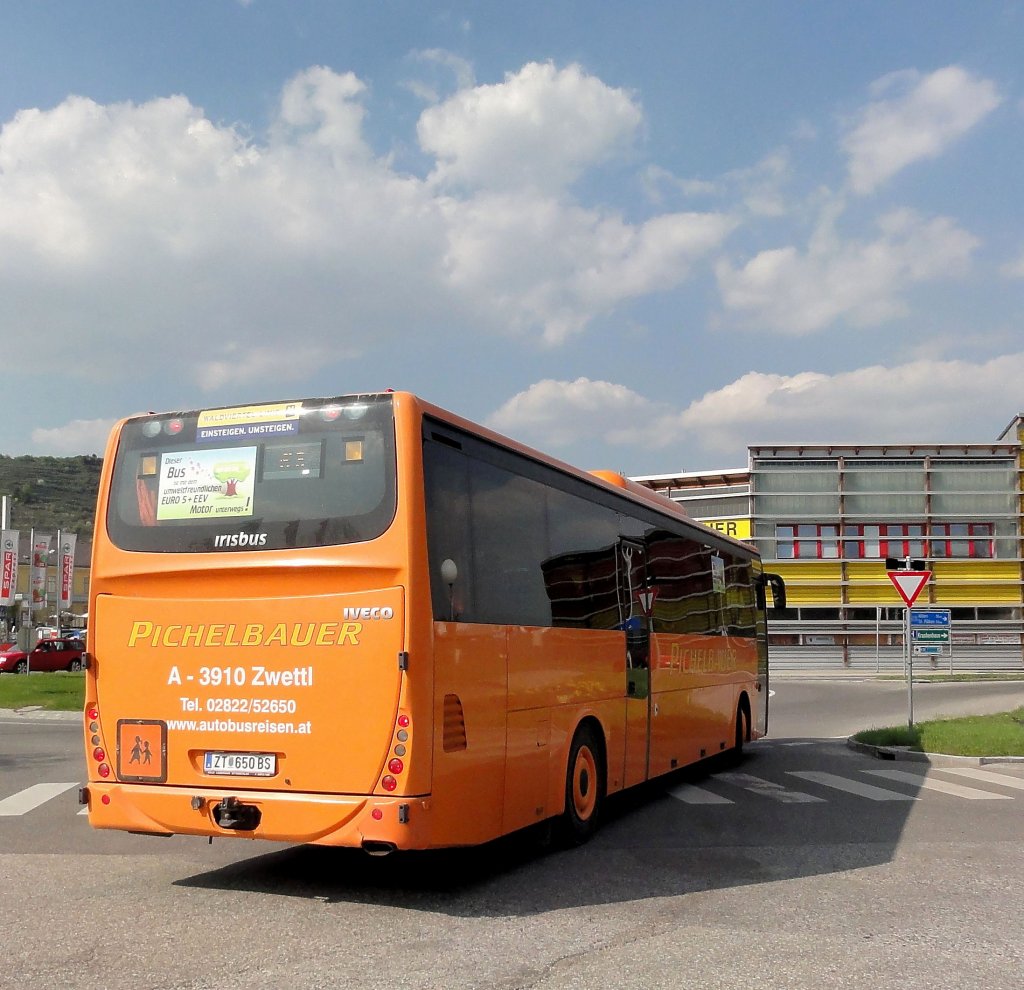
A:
(241, 764)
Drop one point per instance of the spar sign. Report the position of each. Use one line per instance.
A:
(67, 568)
(8, 566)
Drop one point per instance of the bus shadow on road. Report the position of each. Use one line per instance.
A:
(652, 844)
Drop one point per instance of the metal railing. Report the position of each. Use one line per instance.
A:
(877, 647)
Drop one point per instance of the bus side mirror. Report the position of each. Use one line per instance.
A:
(778, 586)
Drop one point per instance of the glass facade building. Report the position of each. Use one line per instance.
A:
(830, 518)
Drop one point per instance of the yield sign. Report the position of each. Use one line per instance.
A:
(646, 599)
(909, 584)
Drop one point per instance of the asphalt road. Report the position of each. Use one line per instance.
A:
(841, 706)
(804, 867)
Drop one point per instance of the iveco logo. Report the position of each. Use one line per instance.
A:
(240, 540)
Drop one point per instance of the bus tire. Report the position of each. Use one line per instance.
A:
(584, 786)
(742, 731)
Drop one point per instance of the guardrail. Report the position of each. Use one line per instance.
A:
(878, 646)
(890, 659)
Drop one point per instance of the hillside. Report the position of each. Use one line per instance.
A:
(51, 493)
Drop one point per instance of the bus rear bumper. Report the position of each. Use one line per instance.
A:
(357, 821)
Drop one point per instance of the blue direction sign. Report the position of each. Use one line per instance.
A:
(935, 617)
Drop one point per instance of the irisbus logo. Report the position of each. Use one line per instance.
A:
(240, 540)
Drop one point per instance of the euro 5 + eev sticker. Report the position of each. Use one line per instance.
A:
(212, 483)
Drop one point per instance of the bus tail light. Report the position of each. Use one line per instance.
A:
(95, 736)
(400, 745)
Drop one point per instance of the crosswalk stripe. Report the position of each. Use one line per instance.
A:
(850, 786)
(767, 788)
(944, 787)
(691, 794)
(987, 777)
(32, 797)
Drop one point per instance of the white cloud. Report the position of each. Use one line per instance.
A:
(320, 108)
(449, 63)
(145, 235)
(859, 282)
(541, 262)
(80, 436)
(915, 117)
(552, 414)
(539, 129)
(759, 188)
(920, 401)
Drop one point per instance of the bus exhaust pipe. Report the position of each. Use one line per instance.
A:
(374, 847)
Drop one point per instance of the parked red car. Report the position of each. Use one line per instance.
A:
(48, 654)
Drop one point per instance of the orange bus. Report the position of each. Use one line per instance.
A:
(363, 621)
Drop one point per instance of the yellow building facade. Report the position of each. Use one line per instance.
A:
(833, 518)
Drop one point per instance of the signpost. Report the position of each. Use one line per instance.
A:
(909, 584)
(930, 633)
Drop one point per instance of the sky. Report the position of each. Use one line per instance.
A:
(638, 236)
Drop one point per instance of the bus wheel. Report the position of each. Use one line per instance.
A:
(584, 787)
(742, 732)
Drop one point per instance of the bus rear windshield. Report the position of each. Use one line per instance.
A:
(279, 476)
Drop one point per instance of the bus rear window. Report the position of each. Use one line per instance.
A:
(270, 477)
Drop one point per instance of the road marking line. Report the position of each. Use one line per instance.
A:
(768, 788)
(987, 777)
(850, 786)
(691, 794)
(32, 797)
(942, 786)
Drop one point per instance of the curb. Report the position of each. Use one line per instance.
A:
(906, 755)
(35, 713)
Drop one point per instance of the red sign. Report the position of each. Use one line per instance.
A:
(9, 576)
(67, 579)
(909, 584)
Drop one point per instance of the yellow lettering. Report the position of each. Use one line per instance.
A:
(278, 636)
(300, 634)
(328, 630)
(349, 632)
(299, 639)
(214, 634)
(192, 636)
(140, 630)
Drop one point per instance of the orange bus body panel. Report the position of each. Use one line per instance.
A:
(338, 648)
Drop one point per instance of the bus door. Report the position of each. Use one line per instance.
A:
(631, 572)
